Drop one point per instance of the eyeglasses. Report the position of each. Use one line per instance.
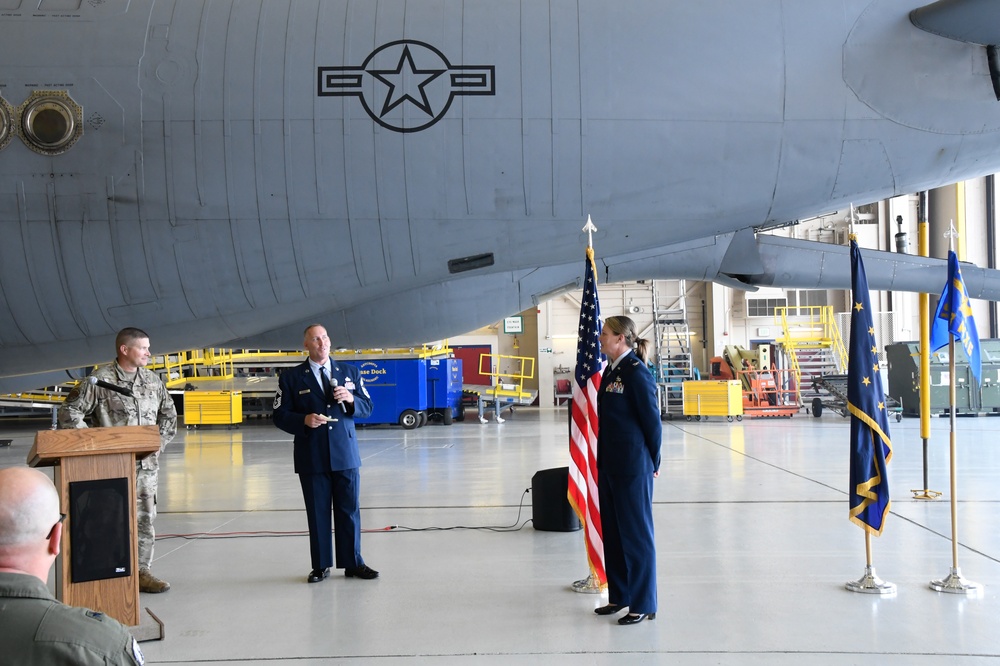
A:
(62, 517)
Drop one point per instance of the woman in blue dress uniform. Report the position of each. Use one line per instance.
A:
(628, 458)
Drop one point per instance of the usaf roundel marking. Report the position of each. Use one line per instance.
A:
(406, 85)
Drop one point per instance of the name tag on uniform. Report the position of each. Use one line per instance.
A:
(304, 392)
(616, 387)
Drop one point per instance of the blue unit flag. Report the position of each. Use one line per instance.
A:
(954, 317)
(871, 449)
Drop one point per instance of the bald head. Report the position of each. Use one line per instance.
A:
(29, 507)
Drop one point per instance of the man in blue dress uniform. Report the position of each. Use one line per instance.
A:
(317, 402)
(628, 459)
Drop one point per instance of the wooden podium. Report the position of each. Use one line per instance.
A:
(88, 455)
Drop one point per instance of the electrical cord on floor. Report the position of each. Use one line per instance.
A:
(515, 527)
(229, 535)
(491, 528)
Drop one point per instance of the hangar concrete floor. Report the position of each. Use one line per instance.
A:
(753, 548)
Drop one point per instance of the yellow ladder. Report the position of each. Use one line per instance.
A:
(810, 328)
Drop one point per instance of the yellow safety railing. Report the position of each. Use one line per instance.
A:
(49, 397)
(840, 352)
(525, 369)
(409, 352)
(195, 365)
(252, 355)
(814, 327)
(199, 365)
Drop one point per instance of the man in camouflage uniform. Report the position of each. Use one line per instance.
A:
(34, 627)
(150, 404)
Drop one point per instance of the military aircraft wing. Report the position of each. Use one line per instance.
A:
(800, 264)
(793, 263)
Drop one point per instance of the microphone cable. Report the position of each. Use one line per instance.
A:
(516, 526)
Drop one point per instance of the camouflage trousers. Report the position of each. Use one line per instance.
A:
(145, 511)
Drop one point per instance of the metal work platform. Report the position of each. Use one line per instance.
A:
(835, 387)
(507, 391)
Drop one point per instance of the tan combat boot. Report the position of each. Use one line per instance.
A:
(150, 583)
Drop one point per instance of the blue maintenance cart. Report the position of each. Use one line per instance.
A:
(409, 387)
(444, 389)
(398, 387)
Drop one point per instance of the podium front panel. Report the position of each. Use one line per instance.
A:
(118, 597)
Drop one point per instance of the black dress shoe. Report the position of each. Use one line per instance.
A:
(316, 575)
(610, 609)
(364, 571)
(635, 618)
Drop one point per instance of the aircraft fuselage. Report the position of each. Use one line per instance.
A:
(403, 171)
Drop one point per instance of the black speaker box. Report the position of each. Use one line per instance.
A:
(550, 509)
(100, 546)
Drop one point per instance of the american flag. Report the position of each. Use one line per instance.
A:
(871, 449)
(583, 427)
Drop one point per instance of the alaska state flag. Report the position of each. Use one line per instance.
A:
(871, 449)
(954, 317)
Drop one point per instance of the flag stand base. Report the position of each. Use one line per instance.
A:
(955, 584)
(925, 494)
(871, 584)
(588, 585)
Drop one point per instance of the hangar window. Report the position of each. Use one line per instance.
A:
(807, 297)
(764, 307)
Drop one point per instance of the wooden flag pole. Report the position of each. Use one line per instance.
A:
(954, 582)
(870, 583)
(952, 399)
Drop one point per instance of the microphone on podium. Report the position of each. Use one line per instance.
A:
(94, 381)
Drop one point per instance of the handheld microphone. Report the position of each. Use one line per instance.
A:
(333, 385)
(94, 381)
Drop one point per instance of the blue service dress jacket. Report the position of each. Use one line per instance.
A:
(332, 447)
(630, 432)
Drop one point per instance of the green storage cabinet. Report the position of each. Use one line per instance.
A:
(904, 379)
(989, 354)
